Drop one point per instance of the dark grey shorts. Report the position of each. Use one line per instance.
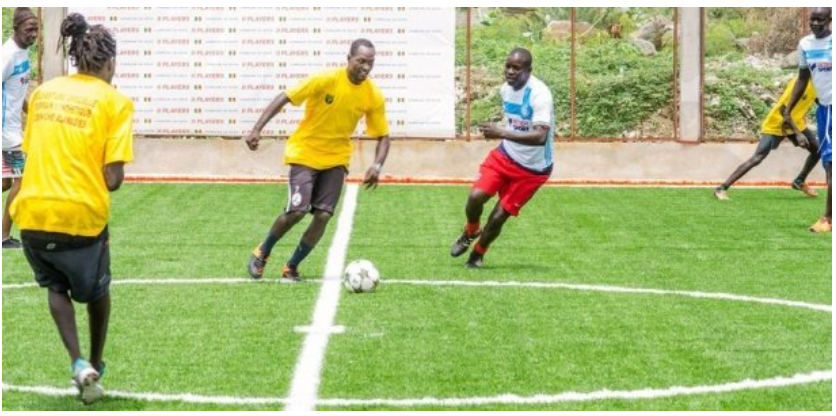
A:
(63, 263)
(769, 142)
(311, 189)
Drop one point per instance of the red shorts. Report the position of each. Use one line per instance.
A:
(515, 185)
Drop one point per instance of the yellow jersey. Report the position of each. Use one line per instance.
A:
(333, 107)
(76, 125)
(774, 122)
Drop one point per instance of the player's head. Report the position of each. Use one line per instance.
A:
(820, 18)
(518, 68)
(92, 49)
(25, 26)
(360, 60)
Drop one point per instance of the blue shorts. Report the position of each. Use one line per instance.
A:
(824, 120)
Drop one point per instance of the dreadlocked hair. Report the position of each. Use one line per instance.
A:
(91, 46)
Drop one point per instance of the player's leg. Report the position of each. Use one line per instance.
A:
(490, 181)
(15, 161)
(325, 197)
(767, 144)
(492, 230)
(824, 116)
(300, 187)
(520, 189)
(812, 160)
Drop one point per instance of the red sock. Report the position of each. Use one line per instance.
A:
(472, 228)
(479, 249)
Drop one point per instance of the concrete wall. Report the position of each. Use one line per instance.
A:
(460, 159)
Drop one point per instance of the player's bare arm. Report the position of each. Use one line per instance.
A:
(274, 108)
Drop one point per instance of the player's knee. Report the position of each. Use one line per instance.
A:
(758, 158)
(7, 184)
(322, 216)
(478, 196)
(294, 216)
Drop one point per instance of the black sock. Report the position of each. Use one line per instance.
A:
(302, 251)
(267, 245)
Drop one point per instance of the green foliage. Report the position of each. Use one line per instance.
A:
(610, 72)
(735, 102)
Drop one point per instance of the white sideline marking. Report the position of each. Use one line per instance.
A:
(567, 397)
(328, 280)
(304, 388)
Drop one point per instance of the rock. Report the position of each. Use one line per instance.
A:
(654, 31)
(646, 47)
(790, 60)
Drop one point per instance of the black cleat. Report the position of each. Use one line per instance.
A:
(475, 262)
(464, 241)
(255, 268)
(290, 275)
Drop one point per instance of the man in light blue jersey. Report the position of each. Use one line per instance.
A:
(16, 67)
(519, 166)
(816, 63)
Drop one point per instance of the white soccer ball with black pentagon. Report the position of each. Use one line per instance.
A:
(361, 276)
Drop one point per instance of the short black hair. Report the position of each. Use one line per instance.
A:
(525, 54)
(357, 44)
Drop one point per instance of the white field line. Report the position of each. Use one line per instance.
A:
(304, 388)
(510, 284)
(776, 382)
(504, 399)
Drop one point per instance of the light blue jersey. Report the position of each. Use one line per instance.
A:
(530, 106)
(15, 83)
(817, 55)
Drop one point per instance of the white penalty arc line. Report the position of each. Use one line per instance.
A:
(304, 387)
(566, 397)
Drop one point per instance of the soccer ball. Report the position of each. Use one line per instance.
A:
(361, 276)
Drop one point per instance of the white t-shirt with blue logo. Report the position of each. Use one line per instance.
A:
(531, 105)
(15, 83)
(817, 56)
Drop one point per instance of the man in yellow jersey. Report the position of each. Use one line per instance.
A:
(773, 131)
(78, 137)
(318, 152)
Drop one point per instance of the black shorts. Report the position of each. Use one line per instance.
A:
(63, 263)
(771, 142)
(311, 189)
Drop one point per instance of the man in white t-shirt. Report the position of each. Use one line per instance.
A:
(816, 64)
(519, 166)
(16, 67)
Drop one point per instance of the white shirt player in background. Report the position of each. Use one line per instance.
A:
(16, 68)
(519, 166)
(816, 63)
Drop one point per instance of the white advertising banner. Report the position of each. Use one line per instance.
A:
(212, 71)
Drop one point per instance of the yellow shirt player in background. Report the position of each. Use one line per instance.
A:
(319, 150)
(773, 131)
(78, 137)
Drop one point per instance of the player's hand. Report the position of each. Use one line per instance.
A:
(372, 178)
(491, 131)
(252, 140)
